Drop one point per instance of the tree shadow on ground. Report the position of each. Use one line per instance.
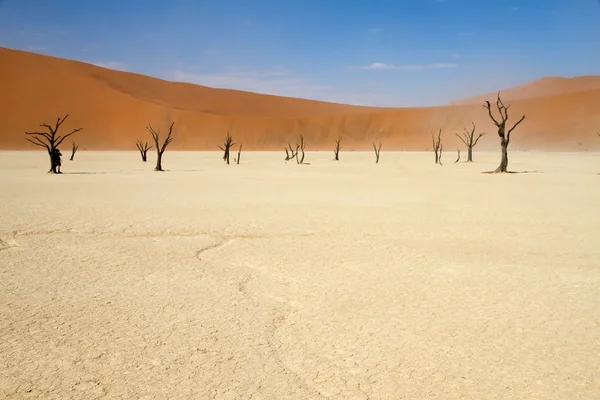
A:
(514, 172)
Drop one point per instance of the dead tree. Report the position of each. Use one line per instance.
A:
(469, 139)
(237, 160)
(300, 147)
(143, 147)
(377, 151)
(73, 150)
(504, 135)
(458, 159)
(160, 149)
(337, 149)
(228, 145)
(50, 141)
(437, 147)
(289, 154)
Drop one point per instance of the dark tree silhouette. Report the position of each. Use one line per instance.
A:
(50, 141)
(160, 149)
(237, 160)
(469, 139)
(228, 145)
(502, 133)
(338, 146)
(74, 149)
(143, 147)
(458, 158)
(437, 147)
(377, 151)
(289, 154)
(300, 147)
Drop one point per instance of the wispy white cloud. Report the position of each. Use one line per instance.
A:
(377, 66)
(116, 65)
(275, 81)
(375, 31)
(514, 8)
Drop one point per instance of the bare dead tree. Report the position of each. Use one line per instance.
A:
(160, 149)
(469, 139)
(337, 148)
(50, 141)
(458, 159)
(289, 154)
(237, 160)
(377, 151)
(300, 147)
(502, 133)
(74, 148)
(437, 147)
(227, 146)
(143, 147)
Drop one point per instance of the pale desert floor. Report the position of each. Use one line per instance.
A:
(267, 280)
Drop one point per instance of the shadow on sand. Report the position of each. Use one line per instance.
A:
(513, 172)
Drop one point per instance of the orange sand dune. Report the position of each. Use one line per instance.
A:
(114, 107)
(540, 88)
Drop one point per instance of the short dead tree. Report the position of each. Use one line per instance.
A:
(160, 149)
(289, 154)
(300, 148)
(437, 147)
(237, 160)
(377, 151)
(469, 139)
(502, 133)
(226, 147)
(74, 148)
(458, 158)
(143, 147)
(50, 141)
(338, 146)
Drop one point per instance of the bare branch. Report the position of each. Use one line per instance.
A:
(515, 125)
(479, 137)
(41, 144)
(60, 139)
(489, 108)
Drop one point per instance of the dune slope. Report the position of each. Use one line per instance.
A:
(114, 107)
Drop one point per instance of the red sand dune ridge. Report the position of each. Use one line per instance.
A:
(114, 107)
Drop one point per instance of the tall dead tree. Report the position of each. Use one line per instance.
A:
(237, 160)
(74, 148)
(469, 139)
(300, 147)
(377, 151)
(502, 133)
(50, 141)
(289, 154)
(143, 147)
(437, 147)
(338, 146)
(227, 146)
(160, 149)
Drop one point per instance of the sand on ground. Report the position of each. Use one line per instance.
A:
(267, 280)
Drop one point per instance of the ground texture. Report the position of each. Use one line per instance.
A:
(267, 280)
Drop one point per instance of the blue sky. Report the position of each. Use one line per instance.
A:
(376, 52)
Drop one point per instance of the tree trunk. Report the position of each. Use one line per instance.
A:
(470, 154)
(144, 156)
(158, 162)
(437, 159)
(503, 167)
(53, 165)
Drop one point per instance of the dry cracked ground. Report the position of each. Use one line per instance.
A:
(267, 280)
